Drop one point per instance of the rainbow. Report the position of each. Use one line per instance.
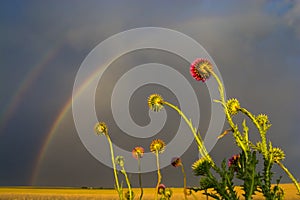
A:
(29, 79)
(60, 117)
(48, 139)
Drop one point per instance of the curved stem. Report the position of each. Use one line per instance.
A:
(158, 175)
(252, 117)
(198, 138)
(290, 175)
(140, 177)
(114, 166)
(223, 101)
(236, 132)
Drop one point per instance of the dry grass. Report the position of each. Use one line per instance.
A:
(28, 193)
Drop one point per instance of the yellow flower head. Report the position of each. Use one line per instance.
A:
(263, 120)
(157, 146)
(168, 193)
(101, 128)
(278, 154)
(155, 102)
(120, 161)
(233, 106)
(201, 166)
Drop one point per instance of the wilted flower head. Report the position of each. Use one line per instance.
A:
(138, 152)
(201, 69)
(157, 145)
(234, 162)
(176, 162)
(128, 196)
(233, 106)
(187, 191)
(101, 128)
(279, 194)
(155, 102)
(120, 161)
(201, 166)
(161, 189)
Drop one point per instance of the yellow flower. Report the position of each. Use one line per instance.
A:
(155, 102)
(101, 128)
(233, 106)
(168, 193)
(157, 146)
(263, 120)
(120, 161)
(278, 154)
(201, 166)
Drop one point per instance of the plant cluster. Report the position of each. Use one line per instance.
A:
(217, 182)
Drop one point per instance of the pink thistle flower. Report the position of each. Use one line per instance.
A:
(201, 69)
(161, 189)
(234, 162)
(138, 152)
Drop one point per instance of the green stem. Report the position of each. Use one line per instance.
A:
(140, 178)
(114, 166)
(267, 177)
(223, 101)
(158, 175)
(184, 181)
(261, 131)
(237, 134)
(290, 175)
(198, 138)
(251, 191)
(252, 117)
(128, 183)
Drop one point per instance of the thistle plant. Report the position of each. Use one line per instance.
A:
(222, 187)
(244, 165)
(176, 162)
(156, 103)
(120, 161)
(157, 146)
(101, 129)
(138, 153)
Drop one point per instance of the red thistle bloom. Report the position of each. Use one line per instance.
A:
(201, 69)
(161, 189)
(176, 162)
(234, 162)
(138, 152)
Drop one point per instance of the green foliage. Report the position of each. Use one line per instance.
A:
(248, 173)
(223, 187)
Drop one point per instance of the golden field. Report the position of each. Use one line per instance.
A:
(30, 193)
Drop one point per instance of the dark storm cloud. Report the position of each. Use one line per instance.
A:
(254, 43)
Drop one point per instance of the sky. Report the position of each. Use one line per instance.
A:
(255, 44)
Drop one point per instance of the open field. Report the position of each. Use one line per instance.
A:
(30, 193)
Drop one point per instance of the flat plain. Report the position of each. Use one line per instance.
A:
(39, 193)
